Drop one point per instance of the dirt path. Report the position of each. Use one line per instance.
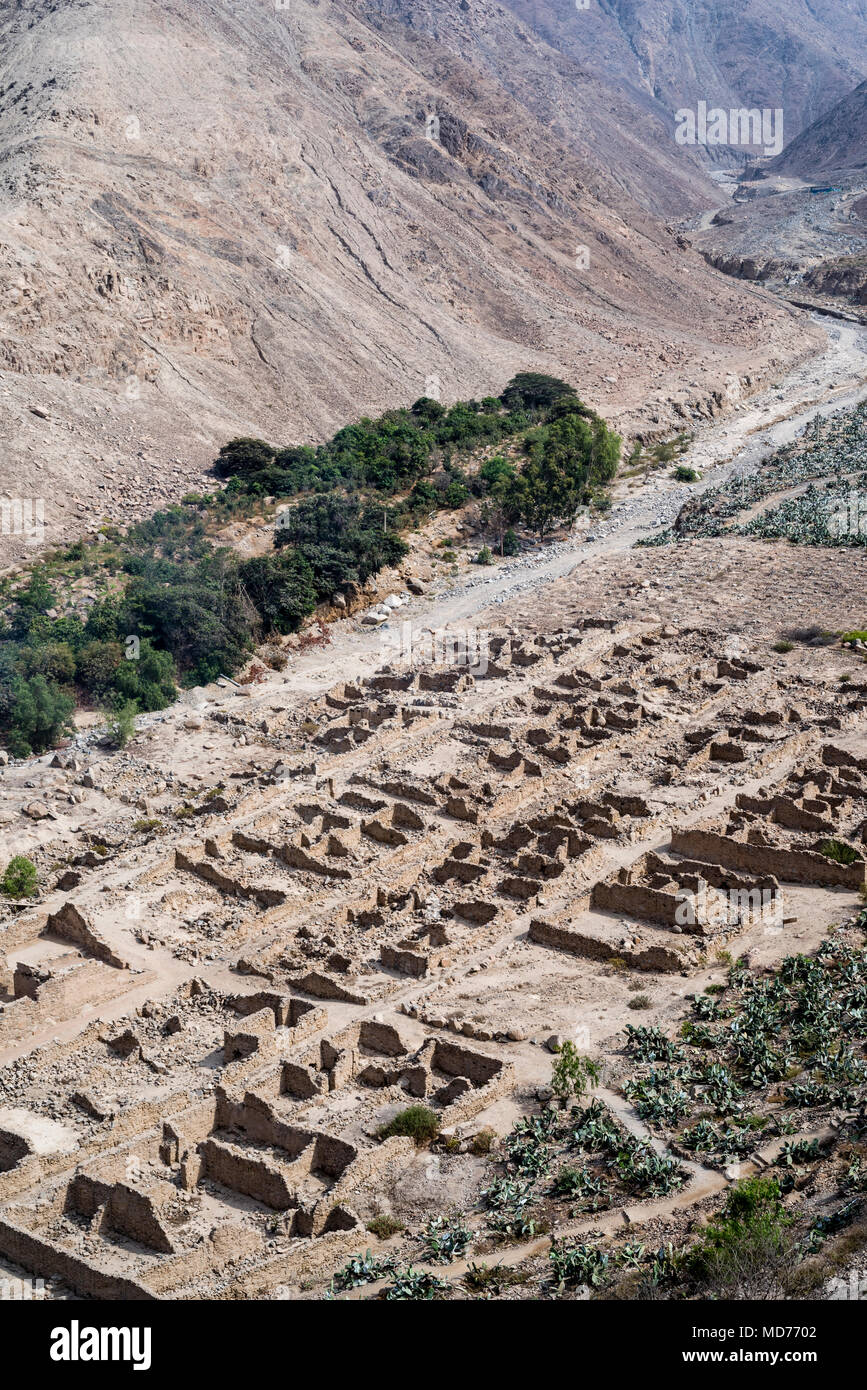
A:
(705, 1182)
(834, 380)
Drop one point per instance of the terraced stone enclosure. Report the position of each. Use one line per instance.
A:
(281, 920)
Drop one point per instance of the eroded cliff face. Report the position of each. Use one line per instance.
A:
(841, 280)
(218, 219)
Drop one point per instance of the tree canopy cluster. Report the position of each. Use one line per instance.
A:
(563, 456)
(174, 607)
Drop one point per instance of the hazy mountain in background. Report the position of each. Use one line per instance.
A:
(800, 55)
(837, 141)
(221, 218)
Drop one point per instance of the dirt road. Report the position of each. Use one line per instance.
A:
(834, 380)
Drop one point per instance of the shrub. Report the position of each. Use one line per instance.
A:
(813, 636)
(484, 556)
(149, 680)
(282, 587)
(573, 1073)
(424, 496)
(839, 852)
(40, 714)
(684, 474)
(54, 660)
(783, 647)
(747, 1251)
(96, 666)
(341, 542)
(511, 545)
(495, 470)
(20, 879)
(120, 723)
(195, 611)
(639, 1001)
(384, 1226)
(417, 1122)
(483, 1142)
(455, 494)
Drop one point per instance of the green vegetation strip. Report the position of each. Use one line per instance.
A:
(170, 604)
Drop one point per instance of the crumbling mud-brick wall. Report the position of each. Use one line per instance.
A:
(562, 938)
(250, 1174)
(70, 924)
(126, 1209)
(34, 1251)
(787, 865)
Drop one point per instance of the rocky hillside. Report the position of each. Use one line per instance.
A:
(800, 55)
(220, 219)
(838, 140)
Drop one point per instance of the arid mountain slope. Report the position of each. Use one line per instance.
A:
(220, 219)
(800, 55)
(838, 140)
(801, 226)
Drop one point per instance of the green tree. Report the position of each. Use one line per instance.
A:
(195, 611)
(424, 496)
(31, 604)
(510, 544)
(243, 457)
(54, 660)
(282, 588)
(20, 879)
(97, 665)
(496, 470)
(102, 620)
(549, 496)
(535, 391)
(456, 494)
(40, 715)
(425, 408)
(149, 679)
